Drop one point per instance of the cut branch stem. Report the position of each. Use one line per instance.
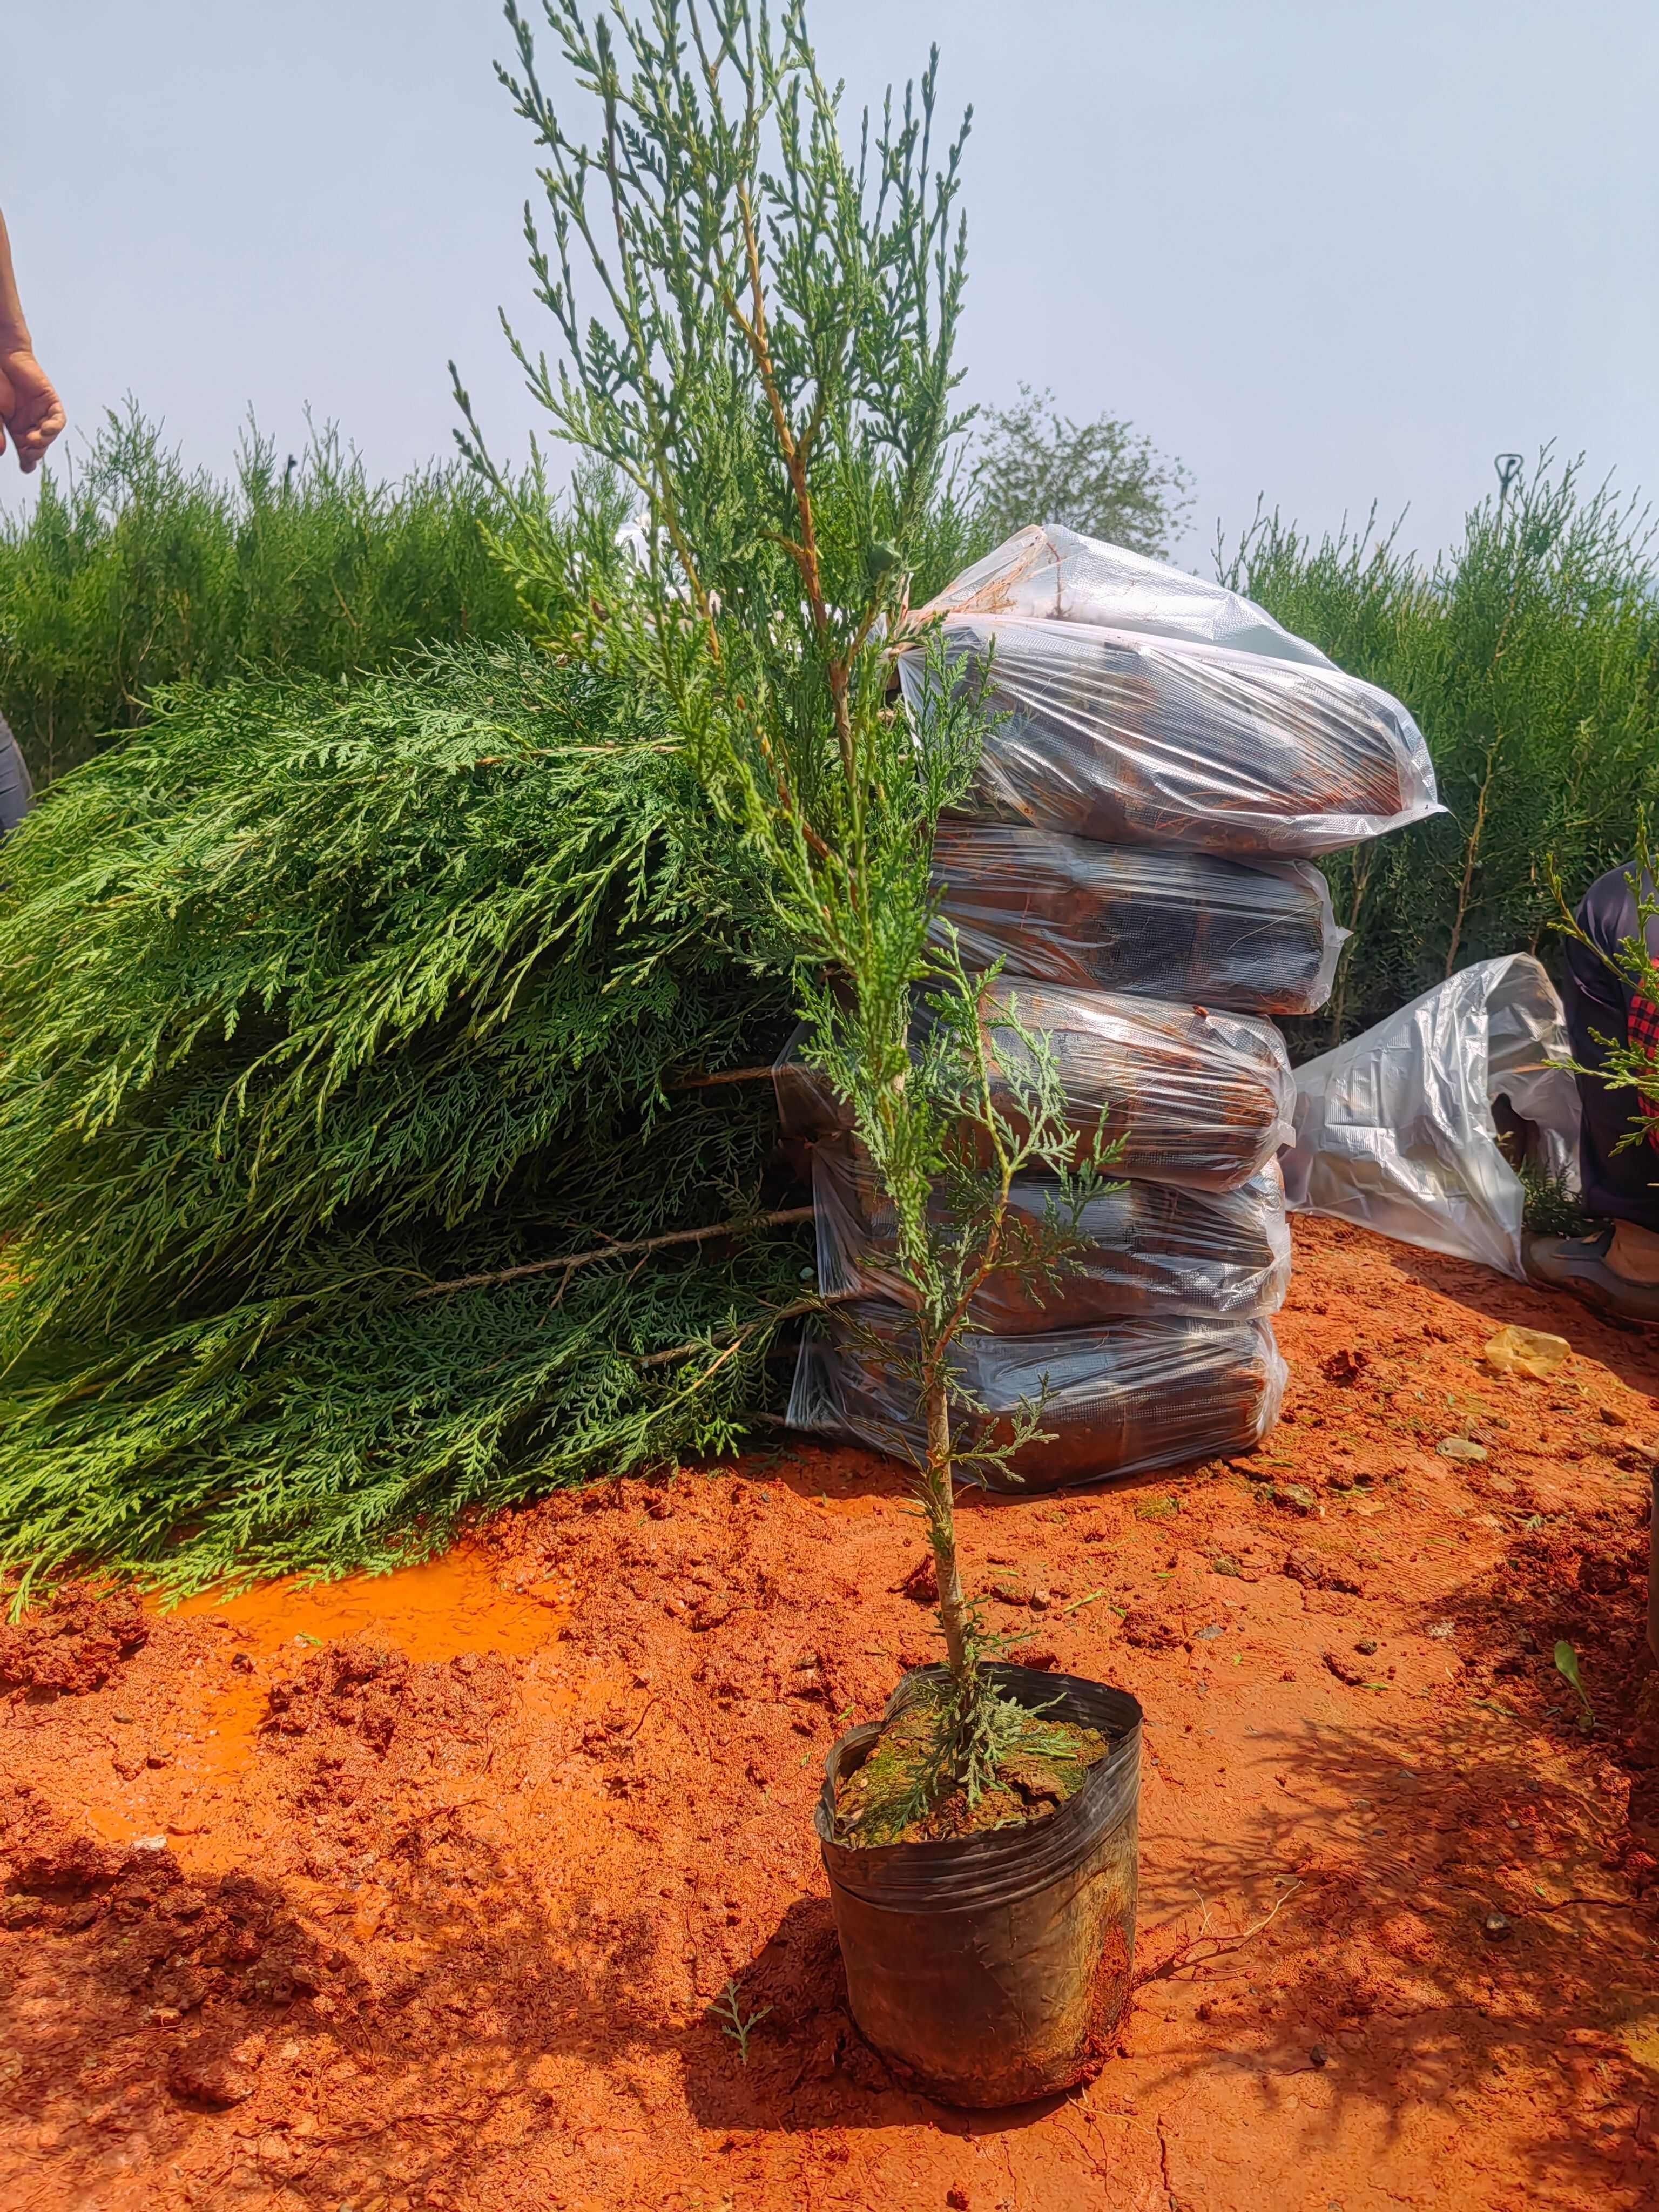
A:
(815, 1304)
(743, 1226)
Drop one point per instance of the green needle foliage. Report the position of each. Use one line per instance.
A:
(759, 344)
(133, 571)
(1527, 655)
(313, 999)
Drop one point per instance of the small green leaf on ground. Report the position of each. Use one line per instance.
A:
(1566, 1662)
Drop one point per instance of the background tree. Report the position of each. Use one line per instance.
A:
(1104, 478)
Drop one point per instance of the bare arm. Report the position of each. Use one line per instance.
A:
(29, 408)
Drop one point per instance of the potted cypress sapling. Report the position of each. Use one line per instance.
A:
(760, 346)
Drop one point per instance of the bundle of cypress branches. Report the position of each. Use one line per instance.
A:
(317, 1003)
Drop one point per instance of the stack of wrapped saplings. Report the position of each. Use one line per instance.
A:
(1163, 764)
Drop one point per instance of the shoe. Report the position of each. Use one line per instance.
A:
(1579, 1264)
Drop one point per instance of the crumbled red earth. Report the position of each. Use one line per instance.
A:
(73, 1645)
(426, 1891)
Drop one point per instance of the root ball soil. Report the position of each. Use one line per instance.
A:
(885, 1799)
(493, 1884)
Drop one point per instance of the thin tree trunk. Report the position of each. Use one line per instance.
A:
(1362, 872)
(740, 1227)
(694, 1081)
(942, 1527)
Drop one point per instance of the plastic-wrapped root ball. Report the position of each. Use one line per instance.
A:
(1395, 1128)
(1119, 1400)
(1192, 1095)
(1137, 1247)
(1259, 938)
(1049, 574)
(1126, 738)
(1133, 704)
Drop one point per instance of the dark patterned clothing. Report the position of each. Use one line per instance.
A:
(1618, 1186)
(16, 789)
(1644, 1031)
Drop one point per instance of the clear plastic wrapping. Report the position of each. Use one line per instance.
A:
(1395, 1130)
(1132, 738)
(1258, 937)
(1199, 1097)
(1049, 574)
(1148, 1249)
(1120, 1399)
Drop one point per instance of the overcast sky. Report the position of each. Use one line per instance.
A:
(1332, 251)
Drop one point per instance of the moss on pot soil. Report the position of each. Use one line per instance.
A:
(886, 1799)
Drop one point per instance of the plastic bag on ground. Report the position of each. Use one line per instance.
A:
(1050, 574)
(1150, 1249)
(1199, 1098)
(1395, 1130)
(1135, 739)
(1121, 1400)
(1257, 939)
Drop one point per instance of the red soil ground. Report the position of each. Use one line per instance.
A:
(421, 1893)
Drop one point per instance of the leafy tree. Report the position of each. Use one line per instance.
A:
(1103, 478)
(756, 329)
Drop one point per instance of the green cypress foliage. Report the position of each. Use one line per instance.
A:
(756, 311)
(313, 998)
(133, 570)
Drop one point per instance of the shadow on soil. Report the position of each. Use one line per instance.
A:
(198, 2016)
(1484, 1915)
(1629, 1352)
(434, 2038)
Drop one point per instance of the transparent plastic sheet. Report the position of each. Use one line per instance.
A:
(1135, 739)
(1395, 1130)
(1258, 937)
(1200, 1098)
(1119, 1400)
(1150, 1249)
(1049, 574)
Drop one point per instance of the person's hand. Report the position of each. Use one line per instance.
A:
(29, 408)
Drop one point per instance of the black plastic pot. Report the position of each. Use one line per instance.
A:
(993, 1968)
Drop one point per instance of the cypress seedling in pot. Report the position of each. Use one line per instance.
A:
(760, 345)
